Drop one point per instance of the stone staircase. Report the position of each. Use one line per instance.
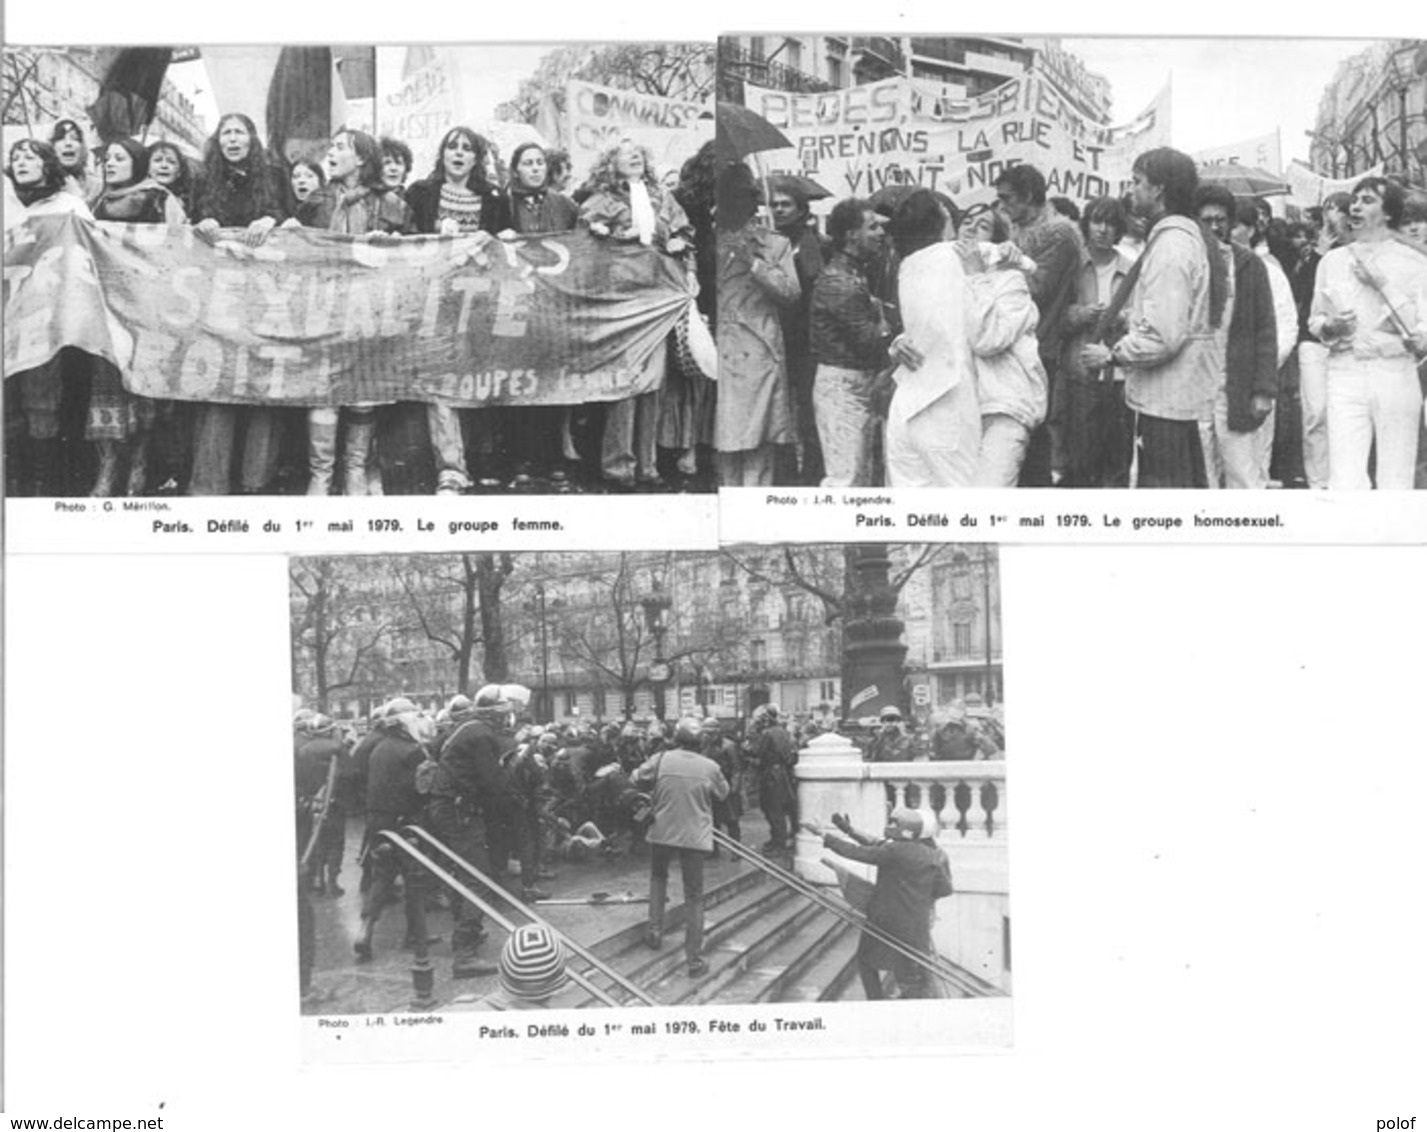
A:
(763, 943)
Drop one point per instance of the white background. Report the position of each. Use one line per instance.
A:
(1217, 780)
(1217, 767)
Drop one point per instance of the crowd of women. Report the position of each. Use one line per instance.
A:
(75, 428)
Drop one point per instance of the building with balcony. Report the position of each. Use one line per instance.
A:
(587, 632)
(42, 85)
(1374, 112)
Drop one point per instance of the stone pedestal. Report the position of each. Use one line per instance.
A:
(832, 779)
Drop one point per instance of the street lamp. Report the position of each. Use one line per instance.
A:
(545, 714)
(986, 593)
(656, 619)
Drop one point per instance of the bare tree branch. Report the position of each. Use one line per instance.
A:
(925, 557)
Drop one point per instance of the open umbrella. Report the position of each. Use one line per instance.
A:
(741, 132)
(1243, 180)
(805, 187)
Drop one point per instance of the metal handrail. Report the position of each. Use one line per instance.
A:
(306, 863)
(436, 870)
(525, 910)
(934, 964)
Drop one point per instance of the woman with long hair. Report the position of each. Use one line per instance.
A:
(358, 203)
(457, 198)
(457, 195)
(120, 420)
(306, 177)
(33, 419)
(686, 422)
(396, 163)
(1370, 310)
(70, 146)
(130, 195)
(238, 188)
(168, 167)
(173, 430)
(38, 179)
(533, 435)
(532, 205)
(627, 204)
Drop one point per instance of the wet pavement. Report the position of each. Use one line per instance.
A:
(384, 984)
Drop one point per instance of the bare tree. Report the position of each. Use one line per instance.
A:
(341, 635)
(609, 636)
(851, 594)
(835, 582)
(670, 70)
(25, 100)
(443, 597)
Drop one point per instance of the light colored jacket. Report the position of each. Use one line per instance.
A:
(1001, 324)
(685, 786)
(59, 204)
(1340, 288)
(1172, 358)
(931, 287)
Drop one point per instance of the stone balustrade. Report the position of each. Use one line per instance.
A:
(968, 801)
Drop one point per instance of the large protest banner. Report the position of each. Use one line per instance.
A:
(1308, 188)
(422, 92)
(913, 132)
(1263, 152)
(417, 101)
(598, 117)
(314, 318)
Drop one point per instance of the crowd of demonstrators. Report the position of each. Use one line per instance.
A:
(78, 423)
(1122, 344)
(495, 787)
(954, 732)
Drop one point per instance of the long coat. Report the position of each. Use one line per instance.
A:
(756, 276)
(775, 753)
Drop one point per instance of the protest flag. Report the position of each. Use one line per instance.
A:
(129, 92)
